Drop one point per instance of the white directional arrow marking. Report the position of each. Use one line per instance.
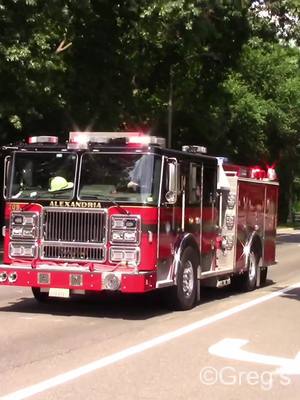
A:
(231, 348)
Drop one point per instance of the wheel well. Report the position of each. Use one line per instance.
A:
(189, 241)
(186, 241)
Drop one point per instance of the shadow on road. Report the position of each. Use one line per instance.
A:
(114, 305)
(104, 305)
(282, 238)
(293, 294)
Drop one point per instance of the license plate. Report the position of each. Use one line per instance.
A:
(57, 292)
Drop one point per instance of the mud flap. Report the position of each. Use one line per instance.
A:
(198, 291)
(258, 277)
(198, 295)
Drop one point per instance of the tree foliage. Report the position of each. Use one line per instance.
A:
(264, 106)
(31, 73)
(231, 69)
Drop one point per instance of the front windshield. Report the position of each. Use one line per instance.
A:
(45, 175)
(120, 177)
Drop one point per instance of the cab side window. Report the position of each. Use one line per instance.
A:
(209, 186)
(195, 183)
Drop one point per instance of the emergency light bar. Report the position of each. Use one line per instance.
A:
(43, 139)
(83, 138)
(194, 149)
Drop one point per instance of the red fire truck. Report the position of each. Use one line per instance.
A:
(120, 212)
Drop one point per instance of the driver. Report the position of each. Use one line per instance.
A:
(140, 172)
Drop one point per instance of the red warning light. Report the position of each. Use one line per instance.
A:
(257, 172)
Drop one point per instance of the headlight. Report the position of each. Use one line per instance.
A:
(131, 223)
(130, 236)
(22, 250)
(121, 236)
(17, 219)
(23, 225)
(117, 254)
(16, 231)
(124, 229)
(23, 232)
(122, 222)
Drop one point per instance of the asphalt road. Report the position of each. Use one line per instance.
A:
(231, 346)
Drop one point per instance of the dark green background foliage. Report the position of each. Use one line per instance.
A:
(233, 65)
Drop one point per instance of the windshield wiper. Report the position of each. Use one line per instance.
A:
(109, 200)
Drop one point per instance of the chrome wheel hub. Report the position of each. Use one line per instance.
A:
(252, 268)
(188, 279)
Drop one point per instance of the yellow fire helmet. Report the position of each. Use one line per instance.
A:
(59, 183)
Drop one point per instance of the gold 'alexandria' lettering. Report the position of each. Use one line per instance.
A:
(75, 204)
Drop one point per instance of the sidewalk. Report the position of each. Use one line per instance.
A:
(288, 230)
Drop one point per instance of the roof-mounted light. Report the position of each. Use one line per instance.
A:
(194, 149)
(81, 139)
(147, 140)
(271, 173)
(43, 140)
(257, 173)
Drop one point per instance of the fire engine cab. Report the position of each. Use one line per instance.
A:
(117, 211)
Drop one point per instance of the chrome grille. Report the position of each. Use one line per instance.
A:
(66, 252)
(81, 226)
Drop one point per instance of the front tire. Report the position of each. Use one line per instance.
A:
(183, 295)
(249, 278)
(41, 297)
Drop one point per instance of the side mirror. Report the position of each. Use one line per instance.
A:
(171, 195)
(7, 163)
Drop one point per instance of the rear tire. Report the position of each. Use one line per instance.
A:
(41, 297)
(183, 295)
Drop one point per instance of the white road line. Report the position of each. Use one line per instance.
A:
(139, 348)
(37, 320)
(232, 349)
